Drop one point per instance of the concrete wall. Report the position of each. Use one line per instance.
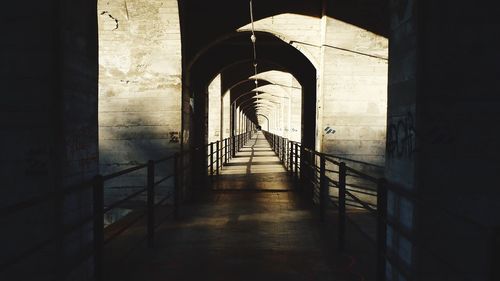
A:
(441, 159)
(353, 92)
(49, 134)
(214, 110)
(226, 115)
(139, 86)
(352, 81)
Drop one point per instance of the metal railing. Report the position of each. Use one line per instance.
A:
(100, 209)
(225, 150)
(343, 183)
(220, 152)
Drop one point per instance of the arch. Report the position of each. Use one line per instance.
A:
(237, 51)
(267, 118)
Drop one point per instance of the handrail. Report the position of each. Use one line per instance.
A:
(97, 185)
(120, 202)
(124, 172)
(308, 168)
(353, 160)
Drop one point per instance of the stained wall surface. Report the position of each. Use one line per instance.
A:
(351, 65)
(139, 85)
(49, 135)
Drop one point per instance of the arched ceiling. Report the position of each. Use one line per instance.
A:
(233, 58)
(236, 50)
(203, 22)
(240, 73)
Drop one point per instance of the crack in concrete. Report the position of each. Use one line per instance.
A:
(113, 18)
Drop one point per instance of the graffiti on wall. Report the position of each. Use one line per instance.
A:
(329, 131)
(401, 136)
(174, 137)
(80, 146)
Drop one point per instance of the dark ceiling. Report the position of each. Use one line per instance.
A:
(211, 44)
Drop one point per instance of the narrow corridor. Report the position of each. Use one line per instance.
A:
(251, 226)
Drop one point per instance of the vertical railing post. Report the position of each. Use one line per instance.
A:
(234, 146)
(342, 211)
(381, 228)
(217, 155)
(177, 174)
(303, 168)
(290, 157)
(98, 212)
(274, 142)
(211, 159)
(231, 147)
(225, 151)
(312, 172)
(280, 148)
(151, 203)
(296, 167)
(283, 150)
(323, 188)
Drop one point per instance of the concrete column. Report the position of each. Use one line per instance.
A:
(442, 160)
(214, 110)
(49, 132)
(140, 88)
(226, 115)
(353, 91)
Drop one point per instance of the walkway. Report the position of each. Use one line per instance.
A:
(252, 226)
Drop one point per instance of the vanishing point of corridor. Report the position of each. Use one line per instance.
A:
(251, 226)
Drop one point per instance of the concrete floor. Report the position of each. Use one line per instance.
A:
(252, 226)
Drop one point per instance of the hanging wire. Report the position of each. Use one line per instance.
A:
(253, 38)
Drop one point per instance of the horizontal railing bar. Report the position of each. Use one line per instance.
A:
(361, 174)
(361, 191)
(124, 172)
(163, 179)
(118, 203)
(355, 161)
(349, 202)
(332, 180)
(359, 201)
(164, 159)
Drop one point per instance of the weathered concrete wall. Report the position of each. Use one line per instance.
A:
(302, 32)
(226, 115)
(49, 133)
(139, 85)
(352, 81)
(214, 110)
(441, 160)
(353, 86)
